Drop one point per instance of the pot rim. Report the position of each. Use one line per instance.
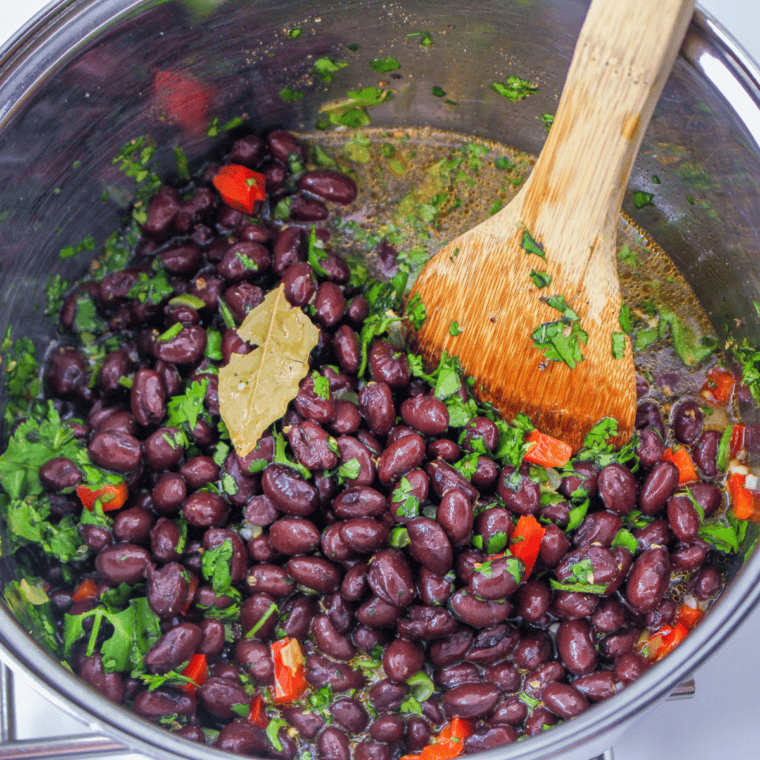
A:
(40, 46)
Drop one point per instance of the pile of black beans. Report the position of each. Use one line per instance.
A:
(511, 657)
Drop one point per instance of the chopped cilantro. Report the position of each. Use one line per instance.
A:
(628, 257)
(540, 279)
(514, 88)
(626, 539)
(548, 120)
(529, 244)
(273, 730)
(438, 92)
(350, 470)
(560, 341)
(180, 158)
(55, 292)
(455, 328)
(326, 68)
(642, 199)
(426, 40)
(383, 65)
(152, 287)
(289, 95)
(618, 345)
(321, 385)
(87, 244)
(183, 409)
(625, 319)
(415, 311)
(172, 332)
(215, 565)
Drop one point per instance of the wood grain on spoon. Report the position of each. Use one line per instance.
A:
(570, 204)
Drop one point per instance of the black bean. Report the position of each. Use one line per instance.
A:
(706, 582)
(583, 481)
(270, 579)
(364, 534)
(571, 605)
(554, 545)
(300, 283)
(478, 613)
(243, 737)
(687, 421)
(564, 700)
(498, 578)
(305, 721)
(165, 701)
(332, 744)
(455, 515)
(184, 348)
(311, 406)
(708, 496)
(471, 700)
(629, 667)
(243, 260)
(148, 398)
(316, 573)
(182, 258)
(331, 641)
(377, 613)
(576, 648)
(532, 600)
(683, 517)
(204, 509)
(533, 650)
(294, 535)
(359, 501)
(400, 457)
(689, 556)
(163, 449)
(242, 298)
(489, 737)
(705, 452)
(390, 577)
(354, 585)
(330, 185)
(110, 685)
(387, 728)
(173, 648)
(648, 415)
(659, 486)
(165, 537)
(133, 525)
(115, 451)
(60, 473)
(650, 447)
(376, 406)
(429, 545)
(648, 579)
(288, 491)
(519, 493)
(169, 493)
(122, 563)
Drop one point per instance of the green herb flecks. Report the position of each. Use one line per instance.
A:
(514, 89)
(561, 340)
(351, 111)
(86, 244)
(642, 199)
(327, 68)
(384, 65)
(540, 279)
(183, 409)
(618, 345)
(530, 245)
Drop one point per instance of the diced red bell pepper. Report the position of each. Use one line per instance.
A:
(526, 541)
(745, 502)
(448, 744)
(240, 187)
(737, 444)
(688, 617)
(663, 641)
(289, 680)
(87, 589)
(681, 458)
(111, 496)
(719, 386)
(256, 714)
(547, 451)
(197, 670)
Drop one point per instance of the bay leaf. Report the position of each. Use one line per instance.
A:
(255, 388)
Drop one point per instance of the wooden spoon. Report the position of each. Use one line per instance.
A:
(570, 207)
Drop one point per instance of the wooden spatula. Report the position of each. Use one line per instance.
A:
(567, 211)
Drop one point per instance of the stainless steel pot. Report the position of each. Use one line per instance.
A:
(80, 82)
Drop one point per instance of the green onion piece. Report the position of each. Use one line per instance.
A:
(724, 448)
(187, 299)
(262, 620)
(421, 685)
(172, 332)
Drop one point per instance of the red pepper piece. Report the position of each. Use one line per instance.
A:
(111, 496)
(737, 443)
(87, 589)
(289, 680)
(197, 670)
(681, 458)
(547, 451)
(240, 187)
(688, 617)
(719, 386)
(526, 541)
(746, 502)
(256, 714)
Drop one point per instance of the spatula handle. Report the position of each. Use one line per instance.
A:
(624, 55)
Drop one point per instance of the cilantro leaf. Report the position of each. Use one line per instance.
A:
(415, 311)
(618, 345)
(183, 410)
(540, 279)
(529, 244)
(560, 342)
(514, 88)
(215, 565)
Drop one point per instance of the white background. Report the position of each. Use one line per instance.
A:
(723, 719)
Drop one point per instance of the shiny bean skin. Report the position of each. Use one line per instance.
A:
(683, 518)
(377, 613)
(165, 537)
(347, 348)
(312, 446)
(256, 658)
(305, 721)
(329, 304)
(133, 525)
(242, 298)
(582, 482)
(365, 535)
(708, 496)
(478, 613)
(220, 696)
(532, 600)
(347, 418)
(433, 589)
(390, 577)
(629, 667)
(564, 700)
(609, 615)
(320, 671)
(456, 675)
(444, 478)
(554, 545)
(490, 737)
(165, 701)
(300, 283)
(426, 623)
(163, 450)
(147, 397)
(270, 579)
(388, 364)
(60, 473)
(505, 676)
(571, 605)
(184, 348)
(576, 648)
(603, 563)
(349, 713)
(498, 578)
(425, 414)
(687, 421)
(597, 686)
(376, 406)
(354, 585)
(169, 493)
(400, 457)
(351, 448)
(525, 499)
(256, 612)
(532, 650)
(648, 579)
(705, 452)
(116, 451)
(359, 501)
(617, 488)
(199, 471)
(648, 415)
(312, 406)
(418, 733)
(706, 582)
(204, 509)
(414, 484)
(429, 545)
(387, 728)
(122, 563)
(444, 449)
(332, 744)
(659, 486)
(495, 526)
(548, 672)
(329, 185)
(650, 447)
(173, 648)
(598, 528)
(402, 659)
(330, 641)
(288, 491)
(471, 701)
(451, 649)
(294, 535)
(455, 515)
(689, 556)
(316, 573)
(243, 261)
(511, 712)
